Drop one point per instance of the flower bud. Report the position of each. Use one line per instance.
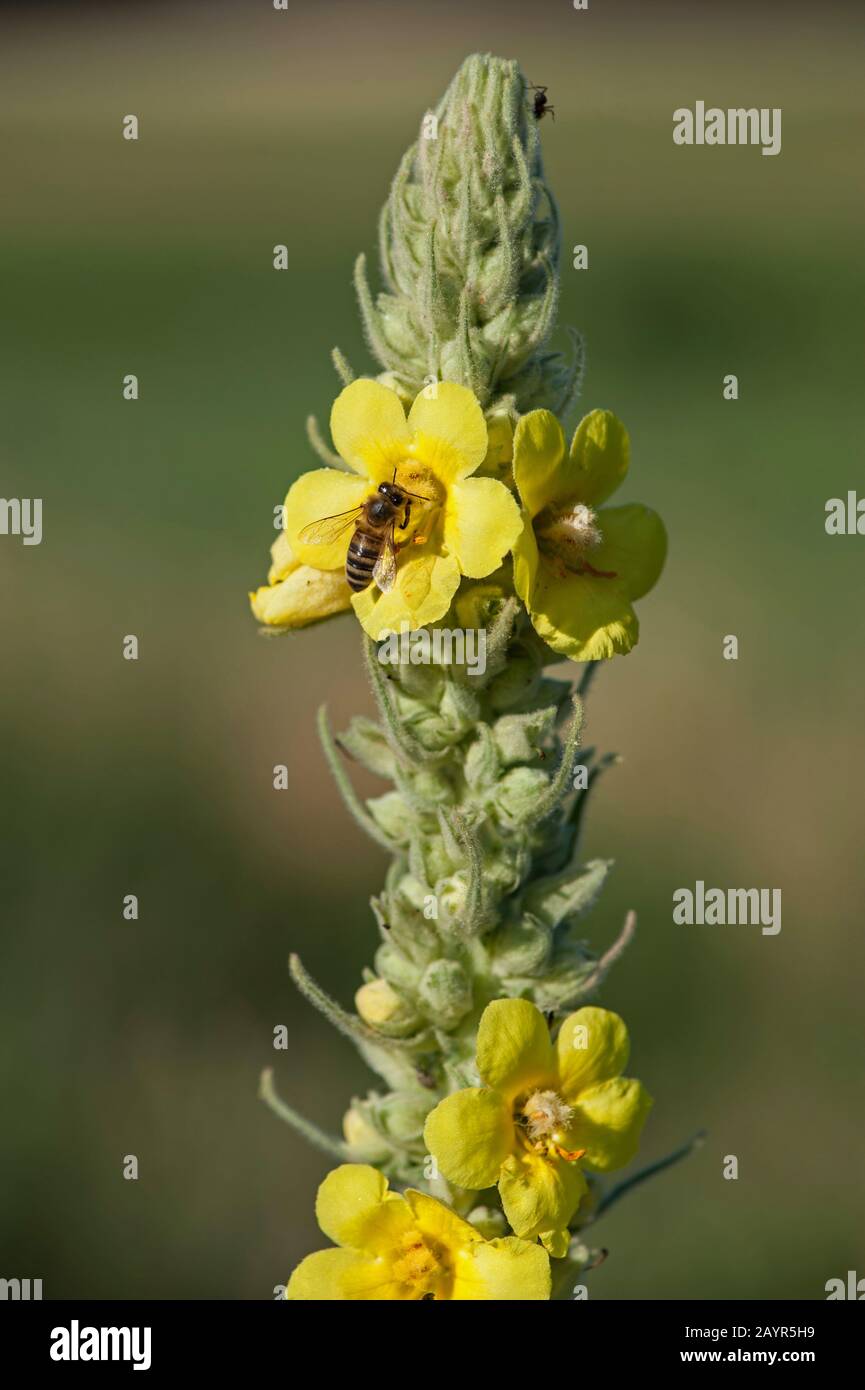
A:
(519, 736)
(402, 1114)
(482, 762)
(518, 793)
(382, 1008)
(364, 1141)
(446, 993)
(521, 948)
(489, 1221)
(393, 815)
(395, 968)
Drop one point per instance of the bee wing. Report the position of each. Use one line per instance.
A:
(384, 574)
(329, 528)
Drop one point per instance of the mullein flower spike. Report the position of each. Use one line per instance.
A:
(502, 1101)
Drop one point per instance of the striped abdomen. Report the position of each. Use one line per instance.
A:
(363, 553)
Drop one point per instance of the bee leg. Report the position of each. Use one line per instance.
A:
(407, 518)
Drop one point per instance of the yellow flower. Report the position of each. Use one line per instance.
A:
(464, 525)
(541, 1112)
(296, 595)
(577, 569)
(411, 1247)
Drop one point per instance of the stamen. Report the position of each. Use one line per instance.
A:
(565, 534)
(544, 1113)
(570, 1155)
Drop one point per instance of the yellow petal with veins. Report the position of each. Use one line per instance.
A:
(336, 1276)
(599, 457)
(514, 1052)
(449, 430)
(608, 1121)
(540, 1194)
(539, 451)
(482, 523)
(470, 1133)
(424, 588)
(355, 1208)
(592, 1046)
(633, 544)
(369, 429)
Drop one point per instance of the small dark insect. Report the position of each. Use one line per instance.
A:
(540, 104)
(600, 1256)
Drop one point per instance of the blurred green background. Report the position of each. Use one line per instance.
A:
(155, 777)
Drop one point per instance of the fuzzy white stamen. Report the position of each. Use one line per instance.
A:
(546, 1113)
(572, 528)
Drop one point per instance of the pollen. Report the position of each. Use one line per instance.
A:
(418, 1267)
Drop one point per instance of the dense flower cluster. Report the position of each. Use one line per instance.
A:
(452, 501)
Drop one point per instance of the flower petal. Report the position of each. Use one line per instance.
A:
(581, 616)
(556, 1243)
(282, 559)
(305, 596)
(433, 1218)
(539, 449)
(608, 1121)
(424, 588)
(514, 1050)
(592, 1046)
(449, 430)
(540, 1194)
(482, 522)
(316, 496)
(634, 545)
(506, 1268)
(369, 429)
(469, 1134)
(599, 457)
(338, 1275)
(526, 561)
(498, 462)
(355, 1208)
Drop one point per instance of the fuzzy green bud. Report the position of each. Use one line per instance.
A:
(382, 1008)
(446, 993)
(469, 246)
(364, 1142)
(518, 793)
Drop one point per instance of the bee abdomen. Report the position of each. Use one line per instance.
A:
(363, 552)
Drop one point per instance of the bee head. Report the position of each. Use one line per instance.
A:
(395, 495)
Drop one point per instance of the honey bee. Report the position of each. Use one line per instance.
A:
(373, 548)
